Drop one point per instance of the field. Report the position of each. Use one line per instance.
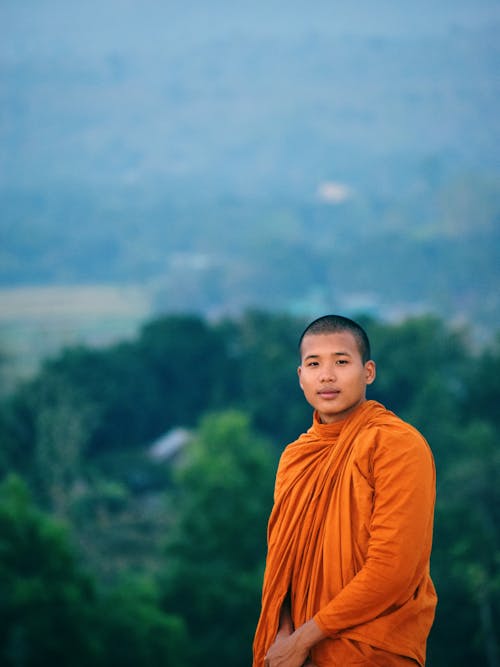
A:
(36, 322)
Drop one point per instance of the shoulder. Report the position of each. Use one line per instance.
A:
(391, 437)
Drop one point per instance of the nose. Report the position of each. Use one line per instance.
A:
(328, 373)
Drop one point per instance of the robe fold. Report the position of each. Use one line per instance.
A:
(350, 536)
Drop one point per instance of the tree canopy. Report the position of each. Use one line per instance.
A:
(110, 555)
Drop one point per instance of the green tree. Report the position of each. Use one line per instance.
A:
(46, 603)
(480, 398)
(263, 350)
(215, 552)
(51, 613)
(77, 433)
(136, 631)
(412, 354)
(63, 428)
(186, 358)
(466, 555)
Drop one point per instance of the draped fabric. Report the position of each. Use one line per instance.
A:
(350, 535)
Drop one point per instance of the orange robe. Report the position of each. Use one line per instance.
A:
(350, 536)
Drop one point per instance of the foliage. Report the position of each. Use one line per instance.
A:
(136, 631)
(466, 557)
(46, 603)
(214, 553)
(178, 545)
(52, 613)
(264, 352)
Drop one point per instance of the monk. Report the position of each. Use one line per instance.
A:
(347, 577)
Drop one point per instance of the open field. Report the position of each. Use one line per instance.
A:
(36, 322)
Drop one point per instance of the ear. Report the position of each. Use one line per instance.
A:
(370, 371)
(299, 372)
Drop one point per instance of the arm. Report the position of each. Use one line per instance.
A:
(400, 534)
(285, 628)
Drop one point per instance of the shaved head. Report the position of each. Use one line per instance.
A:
(335, 324)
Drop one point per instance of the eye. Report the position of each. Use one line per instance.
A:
(342, 362)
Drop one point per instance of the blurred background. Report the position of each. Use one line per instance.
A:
(183, 186)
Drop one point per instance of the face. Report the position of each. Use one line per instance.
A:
(332, 374)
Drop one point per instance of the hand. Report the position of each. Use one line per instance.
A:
(286, 652)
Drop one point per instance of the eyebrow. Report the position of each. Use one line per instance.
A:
(336, 354)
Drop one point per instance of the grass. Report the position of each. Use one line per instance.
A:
(37, 322)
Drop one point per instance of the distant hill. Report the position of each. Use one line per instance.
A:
(286, 155)
(211, 98)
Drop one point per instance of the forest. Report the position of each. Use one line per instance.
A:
(136, 481)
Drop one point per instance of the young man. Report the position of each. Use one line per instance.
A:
(349, 539)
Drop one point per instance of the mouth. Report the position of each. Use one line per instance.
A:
(329, 393)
